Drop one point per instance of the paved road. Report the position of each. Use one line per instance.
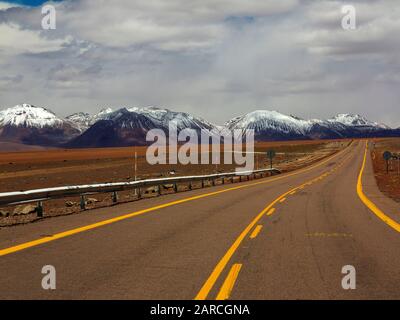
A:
(274, 238)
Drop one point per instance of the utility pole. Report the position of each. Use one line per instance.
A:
(135, 170)
(256, 161)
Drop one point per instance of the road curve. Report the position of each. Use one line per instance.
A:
(282, 237)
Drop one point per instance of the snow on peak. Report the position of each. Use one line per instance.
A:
(81, 120)
(102, 115)
(29, 116)
(105, 111)
(161, 117)
(260, 120)
(264, 121)
(79, 116)
(356, 120)
(152, 112)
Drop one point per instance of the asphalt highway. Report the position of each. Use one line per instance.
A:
(282, 237)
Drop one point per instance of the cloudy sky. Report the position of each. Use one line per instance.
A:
(214, 58)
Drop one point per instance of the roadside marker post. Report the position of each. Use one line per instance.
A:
(39, 209)
(115, 197)
(83, 203)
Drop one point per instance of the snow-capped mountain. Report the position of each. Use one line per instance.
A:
(128, 126)
(29, 116)
(33, 125)
(355, 120)
(163, 117)
(272, 125)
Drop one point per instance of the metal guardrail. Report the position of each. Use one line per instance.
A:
(39, 195)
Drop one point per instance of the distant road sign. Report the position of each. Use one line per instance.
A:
(387, 155)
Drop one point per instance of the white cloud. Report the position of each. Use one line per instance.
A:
(170, 25)
(15, 40)
(7, 5)
(378, 22)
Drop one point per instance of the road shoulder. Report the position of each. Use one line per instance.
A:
(371, 190)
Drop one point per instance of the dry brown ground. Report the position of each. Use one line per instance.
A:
(388, 183)
(52, 168)
(12, 147)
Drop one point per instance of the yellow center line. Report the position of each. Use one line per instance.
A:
(271, 212)
(256, 231)
(208, 285)
(212, 279)
(229, 282)
(372, 206)
(71, 232)
(282, 200)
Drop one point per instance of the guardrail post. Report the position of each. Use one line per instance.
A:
(115, 197)
(139, 194)
(176, 187)
(83, 202)
(190, 186)
(202, 183)
(159, 190)
(39, 209)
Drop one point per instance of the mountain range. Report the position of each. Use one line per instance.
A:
(31, 125)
